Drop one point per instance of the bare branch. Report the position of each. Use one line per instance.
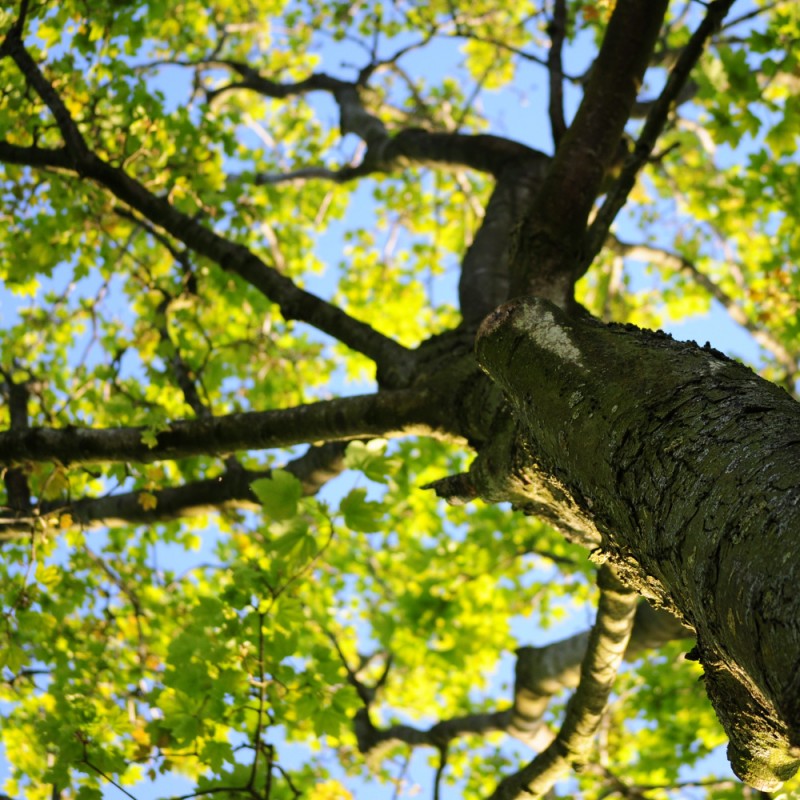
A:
(463, 32)
(254, 81)
(373, 741)
(607, 644)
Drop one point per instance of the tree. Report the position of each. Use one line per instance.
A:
(175, 178)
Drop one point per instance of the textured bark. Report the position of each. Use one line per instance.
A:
(544, 671)
(484, 281)
(684, 467)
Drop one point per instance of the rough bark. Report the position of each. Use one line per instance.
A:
(680, 466)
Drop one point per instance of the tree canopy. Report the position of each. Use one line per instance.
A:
(341, 452)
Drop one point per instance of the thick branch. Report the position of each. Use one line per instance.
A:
(519, 171)
(654, 124)
(681, 466)
(485, 268)
(417, 146)
(483, 152)
(551, 242)
(542, 672)
(606, 647)
(383, 414)
(17, 489)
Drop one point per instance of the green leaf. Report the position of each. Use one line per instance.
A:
(216, 753)
(185, 728)
(369, 458)
(361, 514)
(88, 793)
(279, 494)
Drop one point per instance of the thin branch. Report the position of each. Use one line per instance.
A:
(294, 302)
(654, 124)
(262, 700)
(557, 29)
(254, 81)
(402, 412)
(755, 13)
(372, 739)
(343, 175)
(607, 644)
(437, 781)
(462, 32)
(85, 760)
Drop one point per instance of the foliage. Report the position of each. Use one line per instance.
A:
(232, 646)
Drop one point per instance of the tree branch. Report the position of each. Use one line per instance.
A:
(383, 414)
(484, 280)
(557, 29)
(541, 673)
(654, 124)
(18, 491)
(483, 152)
(664, 259)
(230, 490)
(551, 241)
(294, 302)
(607, 643)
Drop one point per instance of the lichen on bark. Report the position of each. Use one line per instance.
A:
(680, 465)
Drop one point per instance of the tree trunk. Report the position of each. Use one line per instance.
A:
(680, 467)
